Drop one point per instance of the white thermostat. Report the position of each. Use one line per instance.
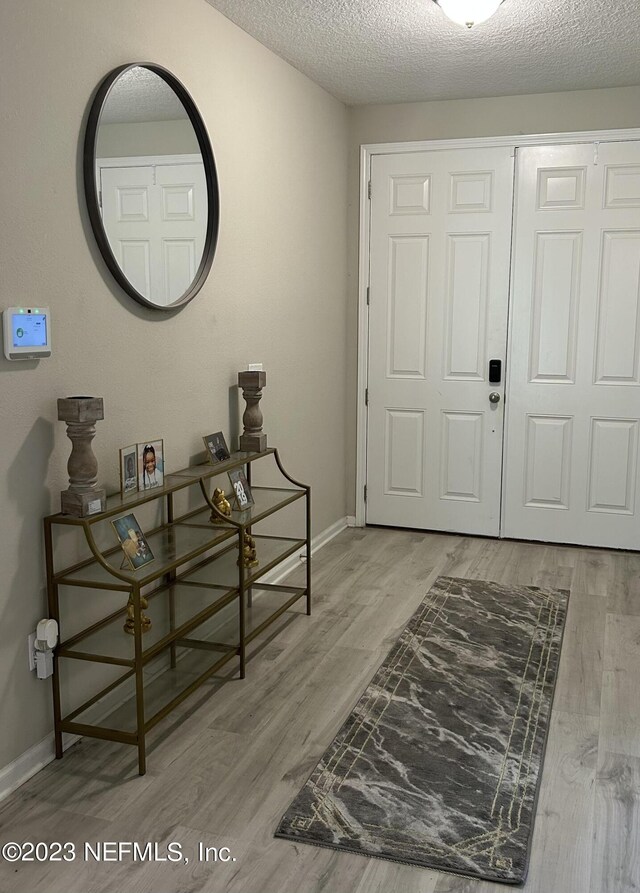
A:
(27, 333)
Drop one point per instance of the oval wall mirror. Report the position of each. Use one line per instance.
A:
(151, 185)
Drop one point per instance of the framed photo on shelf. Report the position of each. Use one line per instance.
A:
(241, 488)
(128, 469)
(137, 551)
(216, 447)
(150, 464)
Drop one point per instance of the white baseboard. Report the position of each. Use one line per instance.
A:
(30, 762)
(43, 753)
(328, 534)
(294, 561)
(351, 521)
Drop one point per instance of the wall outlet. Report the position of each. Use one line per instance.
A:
(31, 644)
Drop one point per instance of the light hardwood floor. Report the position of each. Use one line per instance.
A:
(223, 770)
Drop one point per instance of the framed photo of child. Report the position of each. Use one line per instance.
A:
(241, 488)
(128, 469)
(137, 551)
(150, 464)
(216, 447)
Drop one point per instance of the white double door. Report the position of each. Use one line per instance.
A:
(550, 451)
(154, 212)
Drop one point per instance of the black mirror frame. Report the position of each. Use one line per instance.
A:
(91, 187)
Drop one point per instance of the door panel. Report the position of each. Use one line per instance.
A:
(466, 297)
(548, 457)
(155, 216)
(404, 449)
(618, 348)
(135, 261)
(612, 461)
(407, 307)
(461, 456)
(440, 246)
(555, 307)
(571, 451)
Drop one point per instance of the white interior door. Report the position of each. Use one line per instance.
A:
(571, 456)
(439, 280)
(155, 217)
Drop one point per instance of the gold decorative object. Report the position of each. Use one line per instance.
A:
(130, 623)
(222, 504)
(249, 553)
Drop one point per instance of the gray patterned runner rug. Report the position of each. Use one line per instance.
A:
(439, 762)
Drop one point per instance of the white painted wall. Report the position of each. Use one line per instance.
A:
(452, 119)
(276, 292)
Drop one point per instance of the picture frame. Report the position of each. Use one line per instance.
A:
(216, 446)
(133, 542)
(241, 489)
(150, 464)
(129, 469)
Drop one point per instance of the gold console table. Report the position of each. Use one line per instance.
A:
(204, 605)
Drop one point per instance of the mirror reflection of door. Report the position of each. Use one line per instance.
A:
(152, 186)
(154, 211)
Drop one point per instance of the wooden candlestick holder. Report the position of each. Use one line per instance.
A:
(82, 497)
(252, 438)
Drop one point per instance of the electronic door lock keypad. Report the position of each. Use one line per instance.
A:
(495, 371)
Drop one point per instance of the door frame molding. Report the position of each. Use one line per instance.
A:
(367, 152)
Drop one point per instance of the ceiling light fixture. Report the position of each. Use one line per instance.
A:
(468, 12)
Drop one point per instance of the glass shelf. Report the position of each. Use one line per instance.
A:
(267, 604)
(209, 469)
(177, 480)
(163, 684)
(118, 502)
(224, 570)
(188, 604)
(170, 546)
(267, 501)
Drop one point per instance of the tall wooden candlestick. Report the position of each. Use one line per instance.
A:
(82, 497)
(252, 439)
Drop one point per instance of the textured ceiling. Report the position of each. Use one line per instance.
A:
(373, 51)
(141, 95)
